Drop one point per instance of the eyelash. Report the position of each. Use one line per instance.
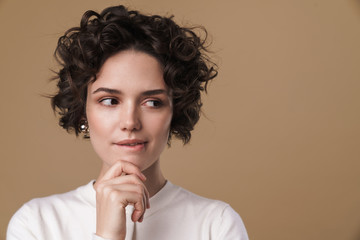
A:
(111, 101)
(156, 103)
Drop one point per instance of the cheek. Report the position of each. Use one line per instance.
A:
(161, 126)
(100, 134)
(99, 124)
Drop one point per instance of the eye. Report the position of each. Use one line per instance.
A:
(109, 101)
(153, 103)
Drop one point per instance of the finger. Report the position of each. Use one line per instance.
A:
(121, 167)
(139, 211)
(124, 179)
(130, 195)
(124, 195)
(105, 190)
(147, 198)
(131, 179)
(127, 183)
(141, 218)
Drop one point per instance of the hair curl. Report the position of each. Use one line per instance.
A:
(81, 52)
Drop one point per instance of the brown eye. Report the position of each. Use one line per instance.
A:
(109, 101)
(154, 103)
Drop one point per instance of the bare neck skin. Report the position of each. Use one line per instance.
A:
(155, 180)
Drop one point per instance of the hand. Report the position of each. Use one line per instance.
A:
(121, 185)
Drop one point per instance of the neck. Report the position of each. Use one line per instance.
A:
(155, 180)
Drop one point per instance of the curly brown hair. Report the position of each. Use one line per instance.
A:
(82, 51)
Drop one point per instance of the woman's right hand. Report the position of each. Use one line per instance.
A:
(121, 185)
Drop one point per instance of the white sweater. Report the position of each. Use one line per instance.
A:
(175, 214)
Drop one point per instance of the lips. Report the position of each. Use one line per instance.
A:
(133, 144)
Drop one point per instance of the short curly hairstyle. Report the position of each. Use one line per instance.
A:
(82, 51)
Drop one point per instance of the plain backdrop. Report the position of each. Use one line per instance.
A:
(279, 138)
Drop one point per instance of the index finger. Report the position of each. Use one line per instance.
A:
(121, 167)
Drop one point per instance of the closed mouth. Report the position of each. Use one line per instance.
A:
(131, 142)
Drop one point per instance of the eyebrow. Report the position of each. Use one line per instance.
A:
(107, 90)
(146, 93)
(154, 92)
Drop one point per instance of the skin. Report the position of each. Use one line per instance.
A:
(129, 100)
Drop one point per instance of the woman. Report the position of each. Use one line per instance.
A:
(129, 82)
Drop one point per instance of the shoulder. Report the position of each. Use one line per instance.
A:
(43, 212)
(41, 206)
(223, 221)
(187, 198)
(57, 201)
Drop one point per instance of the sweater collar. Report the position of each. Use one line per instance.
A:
(158, 201)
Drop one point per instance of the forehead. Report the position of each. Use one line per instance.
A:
(130, 70)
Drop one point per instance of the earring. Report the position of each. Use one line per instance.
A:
(84, 128)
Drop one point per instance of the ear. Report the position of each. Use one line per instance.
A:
(83, 128)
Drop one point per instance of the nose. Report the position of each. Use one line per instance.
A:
(130, 118)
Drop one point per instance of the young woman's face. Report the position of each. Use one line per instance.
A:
(129, 110)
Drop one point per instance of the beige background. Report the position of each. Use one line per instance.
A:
(280, 140)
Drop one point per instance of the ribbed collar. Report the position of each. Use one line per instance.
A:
(162, 198)
(158, 201)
